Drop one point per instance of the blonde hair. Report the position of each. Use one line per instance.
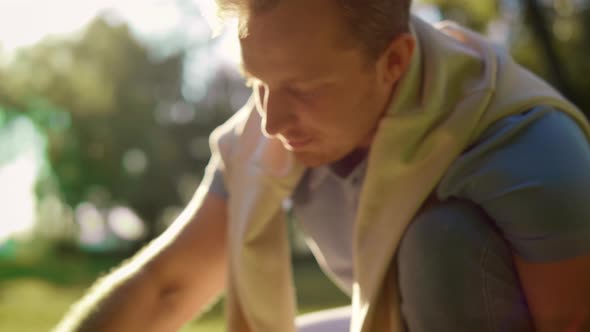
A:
(373, 23)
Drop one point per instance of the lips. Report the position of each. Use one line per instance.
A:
(296, 144)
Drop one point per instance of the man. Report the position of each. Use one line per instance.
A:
(442, 186)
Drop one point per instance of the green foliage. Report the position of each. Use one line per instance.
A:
(567, 22)
(476, 14)
(118, 129)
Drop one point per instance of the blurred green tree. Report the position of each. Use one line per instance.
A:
(119, 130)
(552, 38)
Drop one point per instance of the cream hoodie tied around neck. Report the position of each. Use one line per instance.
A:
(457, 85)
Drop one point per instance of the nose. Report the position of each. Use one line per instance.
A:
(276, 111)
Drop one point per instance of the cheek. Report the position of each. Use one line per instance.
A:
(324, 118)
(336, 114)
(334, 126)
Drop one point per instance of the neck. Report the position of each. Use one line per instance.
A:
(344, 166)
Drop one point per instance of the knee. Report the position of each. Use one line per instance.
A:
(447, 241)
(455, 269)
(445, 228)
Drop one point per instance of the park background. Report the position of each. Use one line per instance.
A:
(105, 112)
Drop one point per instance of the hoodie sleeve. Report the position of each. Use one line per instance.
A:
(531, 174)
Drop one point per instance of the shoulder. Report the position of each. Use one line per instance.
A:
(224, 136)
(542, 144)
(531, 173)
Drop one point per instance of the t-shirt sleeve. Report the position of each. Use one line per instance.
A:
(217, 185)
(531, 174)
(213, 179)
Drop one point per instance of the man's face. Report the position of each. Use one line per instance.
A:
(317, 91)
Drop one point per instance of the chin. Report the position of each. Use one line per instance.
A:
(310, 159)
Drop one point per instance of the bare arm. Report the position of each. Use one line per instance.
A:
(558, 293)
(165, 284)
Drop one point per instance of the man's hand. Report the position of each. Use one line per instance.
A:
(165, 284)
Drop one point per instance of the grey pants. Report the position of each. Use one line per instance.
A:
(455, 274)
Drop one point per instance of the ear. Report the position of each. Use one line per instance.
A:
(397, 57)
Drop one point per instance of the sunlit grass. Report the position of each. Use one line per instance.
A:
(28, 305)
(33, 305)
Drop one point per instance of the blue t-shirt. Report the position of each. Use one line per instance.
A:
(530, 172)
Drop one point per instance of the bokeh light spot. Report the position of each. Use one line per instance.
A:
(126, 224)
(135, 162)
(92, 225)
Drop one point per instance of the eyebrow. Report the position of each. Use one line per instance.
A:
(243, 69)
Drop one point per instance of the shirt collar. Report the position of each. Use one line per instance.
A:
(318, 175)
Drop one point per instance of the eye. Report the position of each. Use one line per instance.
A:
(303, 94)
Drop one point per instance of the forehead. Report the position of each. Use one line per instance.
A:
(309, 34)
